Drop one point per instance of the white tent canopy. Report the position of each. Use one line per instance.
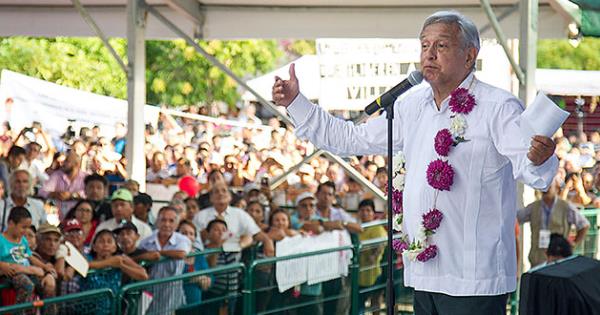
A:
(236, 19)
(568, 82)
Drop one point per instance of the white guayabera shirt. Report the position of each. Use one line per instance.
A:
(476, 240)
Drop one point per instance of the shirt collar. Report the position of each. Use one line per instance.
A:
(466, 83)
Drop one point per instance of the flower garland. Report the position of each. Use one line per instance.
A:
(440, 176)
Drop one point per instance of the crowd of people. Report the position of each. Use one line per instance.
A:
(75, 188)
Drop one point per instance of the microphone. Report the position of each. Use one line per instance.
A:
(389, 97)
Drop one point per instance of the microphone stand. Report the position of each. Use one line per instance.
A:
(390, 296)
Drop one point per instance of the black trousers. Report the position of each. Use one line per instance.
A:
(429, 303)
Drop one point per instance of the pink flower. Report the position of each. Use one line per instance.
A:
(440, 175)
(432, 219)
(399, 245)
(461, 101)
(443, 142)
(397, 201)
(429, 253)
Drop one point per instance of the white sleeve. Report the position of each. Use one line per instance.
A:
(342, 137)
(509, 142)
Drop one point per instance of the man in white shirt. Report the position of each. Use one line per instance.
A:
(475, 266)
(20, 195)
(239, 222)
(121, 203)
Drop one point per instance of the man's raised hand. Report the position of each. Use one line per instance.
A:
(285, 91)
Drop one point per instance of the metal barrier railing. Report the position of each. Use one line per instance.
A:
(93, 302)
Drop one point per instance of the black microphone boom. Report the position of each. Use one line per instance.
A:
(389, 97)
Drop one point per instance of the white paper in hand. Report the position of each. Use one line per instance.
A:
(542, 117)
(76, 260)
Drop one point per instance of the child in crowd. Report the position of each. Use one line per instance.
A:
(279, 225)
(73, 233)
(370, 257)
(192, 207)
(257, 212)
(193, 289)
(16, 261)
(127, 236)
(83, 211)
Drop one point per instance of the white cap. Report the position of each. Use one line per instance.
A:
(250, 187)
(306, 169)
(304, 195)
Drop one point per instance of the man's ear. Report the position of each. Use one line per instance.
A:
(471, 57)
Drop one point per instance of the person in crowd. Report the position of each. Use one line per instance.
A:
(133, 186)
(327, 212)
(551, 215)
(34, 163)
(305, 217)
(574, 190)
(157, 171)
(257, 212)
(48, 241)
(127, 239)
(352, 195)
(142, 208)
(370, 257)
(66, 185)
(183, 167)
(559, 248)
(122, 210)
(73, 233)
(232, 171)
(241, 225)
(84, 213)
(120, 141)
(214, 177)
(193, 288)
(58, 159)
(175, 246)
(20, 195)
(96, 191)
(279, 225)
(192, 208)
(22, 270)
(30, 236)
(111, 266)
(224, 283)
(16, 156)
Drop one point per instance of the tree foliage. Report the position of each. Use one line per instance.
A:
(175, 75)
(560, 54)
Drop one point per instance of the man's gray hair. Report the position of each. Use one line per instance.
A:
(13, 177)
(467, 29)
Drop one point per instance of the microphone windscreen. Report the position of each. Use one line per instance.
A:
(415, 78)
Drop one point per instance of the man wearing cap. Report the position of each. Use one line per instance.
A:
(305, 217)
(20, 190)
(48, 241)
(127, 237)
(121, 203)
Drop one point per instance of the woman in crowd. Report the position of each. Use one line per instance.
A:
(83, 211)
(194, 287)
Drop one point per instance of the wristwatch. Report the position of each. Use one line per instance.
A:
(345, 224)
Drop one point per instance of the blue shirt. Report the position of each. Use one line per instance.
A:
(15, 253)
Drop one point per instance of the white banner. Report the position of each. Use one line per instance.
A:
(25, 99)
(316, 268)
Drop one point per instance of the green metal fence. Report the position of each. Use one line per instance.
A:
(589, 246)
(93, 302)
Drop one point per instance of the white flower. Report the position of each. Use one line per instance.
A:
(421, 236)
(398, 181)
(397, 222)
(412, 254)
(458, 125)
(398, 161)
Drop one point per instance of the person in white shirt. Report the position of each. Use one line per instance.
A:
(121, 203)
(239, 222)
(20, 195)
(473, 264)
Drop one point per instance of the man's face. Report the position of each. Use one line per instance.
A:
(95, 190)
(167, 222)
(306, 208)
(444, 60)
(140, 210)
(127, 239)
(15, 160)
(121, 209)
(217, 233)
(325, 196)
(20, 185)
(219, 195)
(48, 243)
(33, 151)
(71, 162)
